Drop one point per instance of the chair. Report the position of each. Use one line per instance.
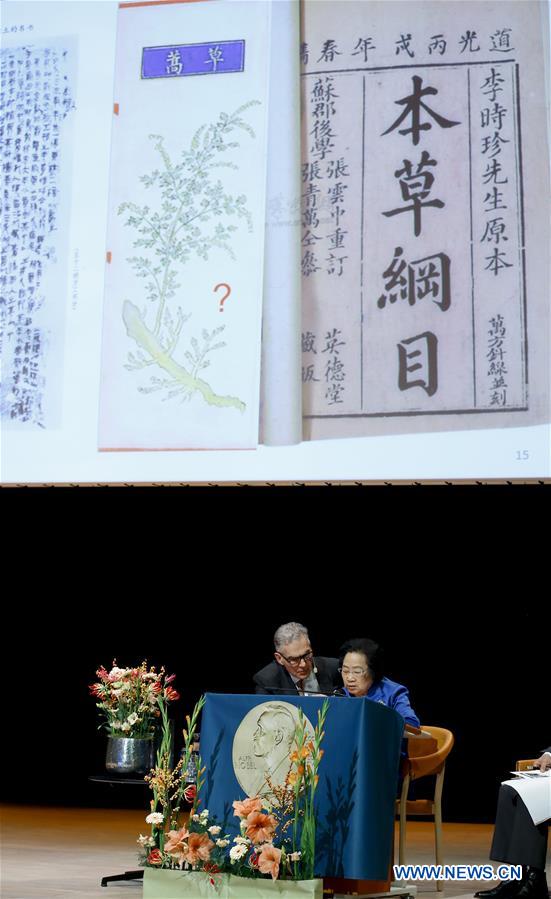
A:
(425, 756)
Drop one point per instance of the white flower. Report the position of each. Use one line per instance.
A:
(125, 727)
(120, 690)
(154, 818)
(237, 852)
(204, 813)
(214, 830)
(145, 841)
(132, 718)
(242, 841)
(117, 673)
(195, 817)
(222, 843)
(294, 856)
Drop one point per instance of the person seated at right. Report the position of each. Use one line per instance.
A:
(362, 673)
(518, 841)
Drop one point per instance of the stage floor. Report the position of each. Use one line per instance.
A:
(60, 853)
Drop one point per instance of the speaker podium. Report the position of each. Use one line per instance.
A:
(243, 737)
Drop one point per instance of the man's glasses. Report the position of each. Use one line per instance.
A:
(296, 660)
(357, 672)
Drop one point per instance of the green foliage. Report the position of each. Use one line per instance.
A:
(309, 755)
(168, 784)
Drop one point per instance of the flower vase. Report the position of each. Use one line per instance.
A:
(159, 883)
(130, 755)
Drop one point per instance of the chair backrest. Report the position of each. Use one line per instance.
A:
(524, 764)
(437, 749)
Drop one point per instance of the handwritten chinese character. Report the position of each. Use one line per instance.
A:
(329, 51)
(437, 43)
(403, 44)
(413, 105)
(363, 46)
(416, 186)
(215, 56)
(468, 40)
(417, 363)
(174, 64)
(501, 41)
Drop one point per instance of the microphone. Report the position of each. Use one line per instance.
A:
(287, 691)
(339, 691)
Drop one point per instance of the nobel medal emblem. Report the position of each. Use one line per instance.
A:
(262, 745)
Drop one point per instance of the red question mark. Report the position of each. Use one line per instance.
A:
(225, 297)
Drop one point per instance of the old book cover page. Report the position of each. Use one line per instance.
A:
(425, 232)
(183, 296)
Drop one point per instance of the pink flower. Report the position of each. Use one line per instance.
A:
(190, 793)
(155, 687)
(199, 848)
(260, 827)
(247, 807)
(155, 857)
(175, 843)
(168, 680)
(211, 868)
(116, 674)
(269, 859)
(96, 689)
(102, 673)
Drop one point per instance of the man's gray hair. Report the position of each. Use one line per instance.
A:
(288, 633)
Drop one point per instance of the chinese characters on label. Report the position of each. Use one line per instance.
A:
(193, 59)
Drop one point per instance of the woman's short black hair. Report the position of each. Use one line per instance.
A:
(368, 648)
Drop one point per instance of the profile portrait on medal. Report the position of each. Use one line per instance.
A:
(262, 745)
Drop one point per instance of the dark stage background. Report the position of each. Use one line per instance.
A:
(471, 667)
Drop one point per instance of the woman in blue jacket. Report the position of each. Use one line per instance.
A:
(362, 675)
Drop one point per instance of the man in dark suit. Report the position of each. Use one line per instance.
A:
(295, 669)
(518, 841)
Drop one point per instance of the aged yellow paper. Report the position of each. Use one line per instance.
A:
(425, 231)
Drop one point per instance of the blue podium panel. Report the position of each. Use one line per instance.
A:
(245, 738)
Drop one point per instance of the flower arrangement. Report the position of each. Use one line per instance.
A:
(276, 833)
(129, 699)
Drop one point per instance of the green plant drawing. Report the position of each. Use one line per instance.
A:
(189, 197)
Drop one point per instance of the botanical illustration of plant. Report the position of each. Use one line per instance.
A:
(189, 197)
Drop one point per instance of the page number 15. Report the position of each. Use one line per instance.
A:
(522, 455)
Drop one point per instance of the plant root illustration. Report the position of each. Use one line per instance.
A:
(189, 198)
